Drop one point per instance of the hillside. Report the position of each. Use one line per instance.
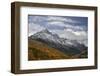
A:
(83, 54)
(64, 45)
(40, 51)
(45, 45)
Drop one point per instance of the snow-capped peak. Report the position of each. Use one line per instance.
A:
(45, 31)
(48, 36)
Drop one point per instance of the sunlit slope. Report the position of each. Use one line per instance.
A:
(40, 51)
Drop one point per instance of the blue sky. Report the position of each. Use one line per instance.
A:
(71, 27)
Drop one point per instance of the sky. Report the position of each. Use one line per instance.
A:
(70, 27)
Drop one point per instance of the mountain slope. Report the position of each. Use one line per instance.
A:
(40, 51)
(71, 47)
(83, 54)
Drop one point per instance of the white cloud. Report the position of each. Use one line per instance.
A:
(33, 28)
(59, 23)
(62, 24)
(56, 18)
(61, 19)
(69, 31)
(77, 33)
(73, 35)
(80, 36)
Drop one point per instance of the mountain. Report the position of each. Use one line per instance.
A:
(45, 35)
(40, 51)
(48, 36)
(71, 47)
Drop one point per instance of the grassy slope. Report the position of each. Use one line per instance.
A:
(83, 54)
(40, 51)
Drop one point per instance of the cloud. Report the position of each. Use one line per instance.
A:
(36, 19)
(61, 19)
(65, 27)
(33, 28)
(80, 36)
(56, 22)
(80, 33)
(71, 34)
(61, 25)
(75, 27)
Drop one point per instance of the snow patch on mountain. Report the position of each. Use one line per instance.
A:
(46, 35)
